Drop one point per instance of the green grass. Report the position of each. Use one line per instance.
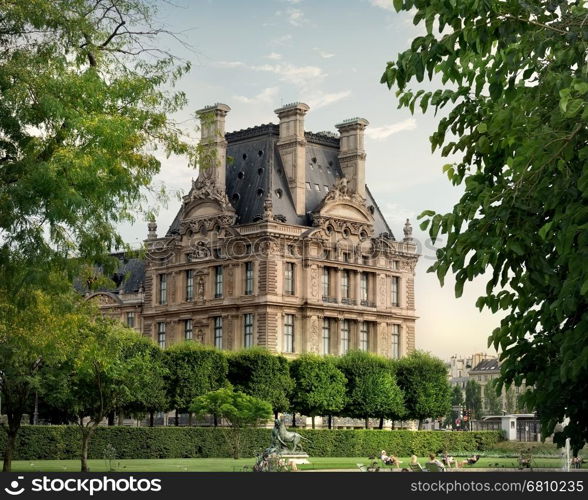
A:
(231, 465)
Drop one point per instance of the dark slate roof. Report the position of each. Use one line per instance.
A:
(254, 169)
(128, 278)
(487, 365)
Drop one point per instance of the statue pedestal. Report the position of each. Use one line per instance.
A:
(297, 458)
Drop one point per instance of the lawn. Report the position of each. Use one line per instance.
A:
(231, 465)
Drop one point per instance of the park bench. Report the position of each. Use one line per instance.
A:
(432, 467)
(416, 468)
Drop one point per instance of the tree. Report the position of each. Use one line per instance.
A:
(238, 408)
(423, 379)
(30, 339)
(492, 400)
(319, 386)
(151, 393)
(473, 398)
(514, 91)
(261, 374)
(372, 391)
(193, 370)
(101, 374)
(456, 396)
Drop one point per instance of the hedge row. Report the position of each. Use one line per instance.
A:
(63, 442)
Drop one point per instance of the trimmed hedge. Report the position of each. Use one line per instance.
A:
(63, 442)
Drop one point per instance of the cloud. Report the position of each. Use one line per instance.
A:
(303, 77)
(295, 17)
(321, 99)
(274, 56)
(383, 4)
(322, 53)
(381, 133)
(266, 96)
(282, 40)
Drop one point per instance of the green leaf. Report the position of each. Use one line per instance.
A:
(398, 5)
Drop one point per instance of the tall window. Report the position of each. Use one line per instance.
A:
(163, 289)
(363, 285)
(218, 281)
(288, 333)
(344, 347)
(247, 330)
(189, 285)
(345, 285)
(395, 288)
(289, 278)
(188, 329)
(395, 341)
(131, 319)
(364, 341)
(326, 335)
(161, 334)
(249, 278)
(326, 282)
(218, 332)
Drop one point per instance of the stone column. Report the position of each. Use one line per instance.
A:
(212, 132)
(352, 153)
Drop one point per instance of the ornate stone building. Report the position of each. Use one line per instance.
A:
(280, 244)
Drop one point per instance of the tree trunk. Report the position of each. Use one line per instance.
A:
(367, 422)
(393, 424)
(293, 419)
(121, 419)
(151, 418)
(276, 415)
(420, 425)
(11, 434)
(86, 435)
(330, 422)
(177, 418)
(111, 419)
(312, 420)
(215, 420)
(190, 419)
(381, 426)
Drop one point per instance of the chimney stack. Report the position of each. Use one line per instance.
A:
(352, 153)
(292, 148)
(212, 137)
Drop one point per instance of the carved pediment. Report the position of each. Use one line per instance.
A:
(206, 198)
(105, 299)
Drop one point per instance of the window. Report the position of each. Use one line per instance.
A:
(289, 278)
(163, 289)
(364, 342)
(218, 281)
(346, 257)
(326, 282)
(364, 287)
(344, 337)
(345, 285)
(395, 341)
(189, 285)
(288, 333)
(218, 332)
(248, 278)
(161, 334)
(247, 330)
(131, 319)
(395, 287)
(326, 335)
(188, 329)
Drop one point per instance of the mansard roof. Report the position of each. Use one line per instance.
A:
(254, 169)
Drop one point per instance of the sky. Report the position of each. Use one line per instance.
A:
(257, 55)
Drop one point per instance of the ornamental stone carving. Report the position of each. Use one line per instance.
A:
(314, 335)
(206, 188)
(314, 285)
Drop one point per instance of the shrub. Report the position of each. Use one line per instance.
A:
(62, 442)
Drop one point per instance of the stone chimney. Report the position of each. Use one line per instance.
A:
(212, 138)
(352, 153)
(292, 148)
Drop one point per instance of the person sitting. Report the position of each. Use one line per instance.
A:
(471, 461)
(448, 461)
(434, 460)
(577, 462)
(389, 460)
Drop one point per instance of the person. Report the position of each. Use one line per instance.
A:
(414, 460)
(389, 460)
(447, 460)
(434, 460)
(471, 461)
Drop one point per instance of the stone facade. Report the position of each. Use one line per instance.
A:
(278, 244)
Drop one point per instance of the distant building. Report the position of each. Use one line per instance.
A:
(459, 368)
(279, 243)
